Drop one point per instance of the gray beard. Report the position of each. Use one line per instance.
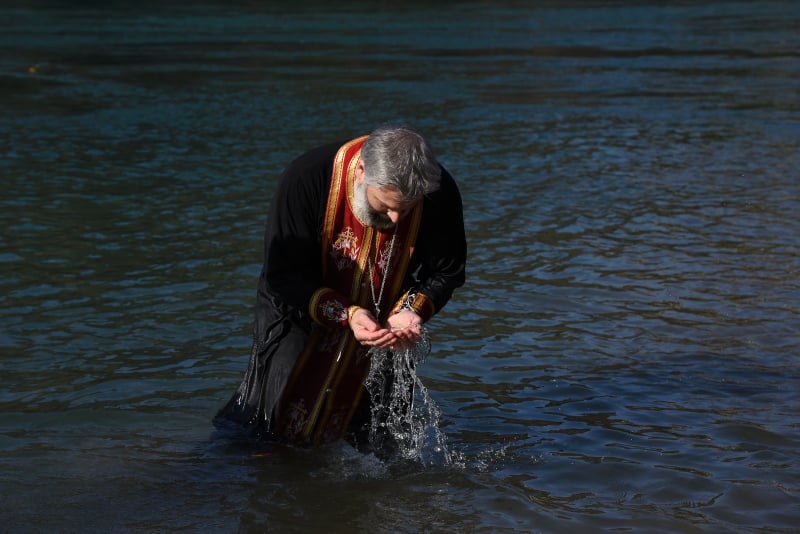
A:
(364, 211)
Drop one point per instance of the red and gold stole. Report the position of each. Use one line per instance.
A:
(326, 384)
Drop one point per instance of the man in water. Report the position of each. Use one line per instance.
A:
(364, 243)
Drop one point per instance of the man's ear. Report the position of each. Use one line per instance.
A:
(359, 175)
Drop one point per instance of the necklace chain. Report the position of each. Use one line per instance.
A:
(377, 301)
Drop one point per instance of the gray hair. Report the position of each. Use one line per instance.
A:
(399, 157)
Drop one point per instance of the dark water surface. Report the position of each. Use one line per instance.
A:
(624, 356)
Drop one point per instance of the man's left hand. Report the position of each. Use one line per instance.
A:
(407, 326)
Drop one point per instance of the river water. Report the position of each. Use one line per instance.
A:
(624, 355)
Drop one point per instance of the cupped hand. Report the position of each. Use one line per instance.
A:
(368, 331)
(407, 326)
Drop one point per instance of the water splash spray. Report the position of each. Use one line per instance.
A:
(405, 420)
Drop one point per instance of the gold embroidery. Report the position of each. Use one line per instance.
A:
(333, 310)
(384, 257)
(345, 249)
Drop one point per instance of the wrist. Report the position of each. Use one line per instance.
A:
(351, 311)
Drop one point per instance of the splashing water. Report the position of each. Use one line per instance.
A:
(405, 420)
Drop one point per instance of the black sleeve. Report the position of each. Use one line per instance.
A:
(292, 269)
(441, 252)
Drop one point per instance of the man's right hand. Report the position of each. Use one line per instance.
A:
(369, 332)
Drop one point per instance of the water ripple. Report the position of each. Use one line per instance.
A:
(623, 355)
